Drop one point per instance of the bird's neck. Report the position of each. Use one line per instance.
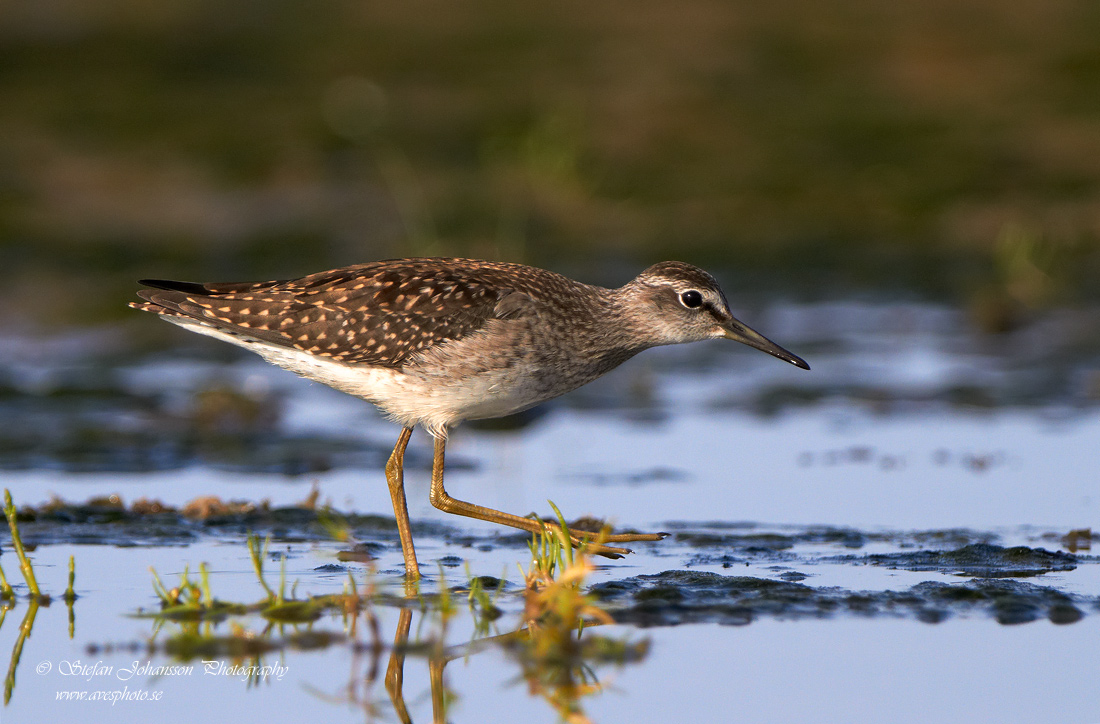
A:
(638, 327)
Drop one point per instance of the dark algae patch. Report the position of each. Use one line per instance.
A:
(109, 521)
(980, 560)
(1009, 602)
(677, 597)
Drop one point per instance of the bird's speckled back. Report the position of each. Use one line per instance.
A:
(381, 313)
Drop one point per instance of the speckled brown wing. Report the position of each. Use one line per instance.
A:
(376, 314)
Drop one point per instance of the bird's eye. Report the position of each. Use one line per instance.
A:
(691, 299)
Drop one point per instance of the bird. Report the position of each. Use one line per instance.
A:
(436, 341)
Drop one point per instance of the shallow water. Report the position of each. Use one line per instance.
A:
(777, 669)
(912, 437)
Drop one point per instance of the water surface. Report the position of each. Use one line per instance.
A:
(903, 508)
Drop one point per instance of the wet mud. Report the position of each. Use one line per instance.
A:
(981, 560)
(678, 597)
(110, 521)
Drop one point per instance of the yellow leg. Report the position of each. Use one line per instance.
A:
(440, 499)
(395, 672)
(439, 699)
(395, 476)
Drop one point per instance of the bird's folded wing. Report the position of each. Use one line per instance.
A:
(376, 314)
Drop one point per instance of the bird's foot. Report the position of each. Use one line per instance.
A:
(597, 528)
(597, 543)
(599, 549)
(633, 537)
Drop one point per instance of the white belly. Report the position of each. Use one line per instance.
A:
(434, 401)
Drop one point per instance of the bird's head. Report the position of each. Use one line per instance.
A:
(685, 304)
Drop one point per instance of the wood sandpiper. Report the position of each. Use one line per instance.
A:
(433, 342)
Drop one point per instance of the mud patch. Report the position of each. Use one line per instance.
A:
(677, 597)
(749, 537)
(978, 560)
(108, 521)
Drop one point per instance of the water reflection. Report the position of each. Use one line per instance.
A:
(8, 603)
(199, 641)
(17, 651)
(552, 643)
(529, 634)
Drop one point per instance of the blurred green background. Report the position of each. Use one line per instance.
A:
(943, 149)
